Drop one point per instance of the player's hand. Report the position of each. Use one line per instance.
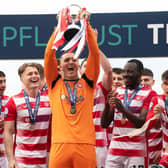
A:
(157, 109)
(12, 164)
(63, 18)
(110, 98)
(157, 157)
(83, 13)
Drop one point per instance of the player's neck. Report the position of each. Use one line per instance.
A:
(32, 92)
(133, 86)
(71, 78)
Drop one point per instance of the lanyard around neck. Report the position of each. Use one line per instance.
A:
(166, 105)
(33, 116)
(127, 101)
(72, 94)
(0, 105)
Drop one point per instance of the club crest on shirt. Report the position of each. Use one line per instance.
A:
(79, 85)
(62, 97)
(138, 98)
(46, 104)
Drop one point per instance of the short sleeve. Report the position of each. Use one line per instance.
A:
(10, 110)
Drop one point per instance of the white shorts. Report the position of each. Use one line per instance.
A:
(114, 161)
(101, 155)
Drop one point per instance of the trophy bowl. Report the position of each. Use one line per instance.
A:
(71, 29)
(71, 32)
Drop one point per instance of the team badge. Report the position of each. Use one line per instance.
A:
(79, 85)
(138, 98)
(46, 104)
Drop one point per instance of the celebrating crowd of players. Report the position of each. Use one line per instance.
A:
(67, 120)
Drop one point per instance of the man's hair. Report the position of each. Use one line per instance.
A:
(165, 75)
(118, 70)
(83, 61)
(147, 72)
(25, 65)
(2, 74)
(60, 58)
(138, 63)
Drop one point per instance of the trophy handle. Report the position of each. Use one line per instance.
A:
(74, 13)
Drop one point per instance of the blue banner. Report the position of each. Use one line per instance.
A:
(143, 34)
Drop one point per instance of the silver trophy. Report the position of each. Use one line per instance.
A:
(72, 28)
(73, 21)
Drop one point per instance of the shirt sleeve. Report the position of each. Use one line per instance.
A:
(50, 62)
(105, 92)
(151, 106)
(148, 99)
(10, 110)
(93, 60)
(151, 114)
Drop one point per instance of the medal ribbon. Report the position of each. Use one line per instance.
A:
(128, 102)
(72, 96)
(33, 116)
(44, 87)
(0, 105)
(166, 105)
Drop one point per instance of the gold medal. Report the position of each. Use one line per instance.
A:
(123, 121)
(27, 120)
(32, 127)
(73, 110)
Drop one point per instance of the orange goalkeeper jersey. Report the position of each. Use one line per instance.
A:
(67, 127)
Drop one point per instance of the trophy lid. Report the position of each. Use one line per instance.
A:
(71, 31)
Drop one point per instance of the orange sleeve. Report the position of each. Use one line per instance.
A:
(50, 62)
(93, 61)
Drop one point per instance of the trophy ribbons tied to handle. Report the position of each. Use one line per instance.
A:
(71, 29)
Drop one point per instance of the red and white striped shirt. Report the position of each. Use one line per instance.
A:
(109, 133)
(99, 104)
(31, 144)
(125, 145)
(4, 100)
(164, 118)
(154, 143)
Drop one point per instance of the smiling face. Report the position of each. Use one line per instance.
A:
(118, 80)
(131, 75)
(30, 77)
(69, 66)
(147, 81)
